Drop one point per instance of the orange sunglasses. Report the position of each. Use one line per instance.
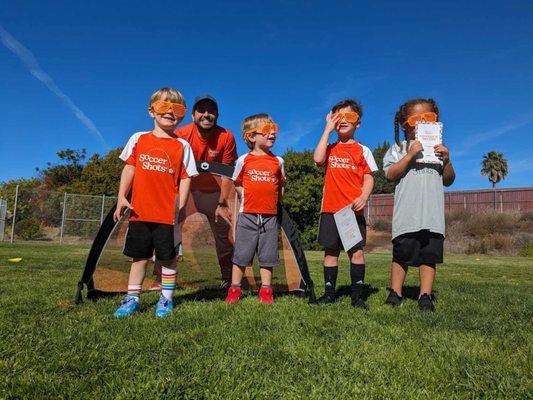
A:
(351, 116)
(425, 117)
(162, 106)
(263, 128)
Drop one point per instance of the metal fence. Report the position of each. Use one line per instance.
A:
(3, 213)
(40, 215)
(380, 206)
(48, 216)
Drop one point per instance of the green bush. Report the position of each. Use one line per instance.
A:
(527, 250)
(28, 229)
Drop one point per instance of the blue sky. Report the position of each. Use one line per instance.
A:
(78, 74)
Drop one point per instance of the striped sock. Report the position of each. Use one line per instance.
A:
(168, 282)
(134, 291)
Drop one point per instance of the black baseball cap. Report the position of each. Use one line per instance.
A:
(204, 97)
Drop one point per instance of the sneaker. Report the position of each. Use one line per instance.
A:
(326, 299)
(224, 284)
(164, 307)
(394, 299)
(234, 294)
(357, 297)
(425, 302)
(266, 295)
(128, 306)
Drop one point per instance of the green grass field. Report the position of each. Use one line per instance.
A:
(477, 345)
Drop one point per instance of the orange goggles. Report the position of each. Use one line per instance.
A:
(351, 116)
(424, 117)
(162, 107)
(263, 128)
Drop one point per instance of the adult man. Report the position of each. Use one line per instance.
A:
(213, 143)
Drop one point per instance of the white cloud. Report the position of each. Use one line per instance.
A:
(29, 60)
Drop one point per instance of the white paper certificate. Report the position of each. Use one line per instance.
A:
(347, 227)
(430, 135)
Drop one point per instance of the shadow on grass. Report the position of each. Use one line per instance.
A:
(367, 291)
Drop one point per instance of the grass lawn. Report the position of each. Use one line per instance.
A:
(477, 345)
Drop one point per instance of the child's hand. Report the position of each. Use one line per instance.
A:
(121, 203)
(414, 148)
(359, 203)
(331, 122)
(442, 152)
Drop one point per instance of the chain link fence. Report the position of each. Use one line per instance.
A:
(54, 217)
(48, 216)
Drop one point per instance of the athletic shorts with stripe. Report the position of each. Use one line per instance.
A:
(256, 233)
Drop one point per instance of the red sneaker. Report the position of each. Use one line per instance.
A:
(266, 295)
(234, 294)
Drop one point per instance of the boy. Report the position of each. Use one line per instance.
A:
(158, 169)
(259, 179)
(348, 180)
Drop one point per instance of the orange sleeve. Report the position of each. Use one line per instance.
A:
(230, 150)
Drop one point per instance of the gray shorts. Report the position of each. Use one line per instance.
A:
(256, 233)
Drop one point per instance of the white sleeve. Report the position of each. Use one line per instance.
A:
(369, 158)
(128, 149)
(188, 159)
(239, 164)
(392, 156)
(282, 168)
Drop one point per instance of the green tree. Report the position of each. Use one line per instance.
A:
(494, 166)
(68, 171)
(101, 175)
(381, 184)
(303, 194)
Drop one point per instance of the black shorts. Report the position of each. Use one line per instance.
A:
(328, 235)
(417, 248)
(145, 237)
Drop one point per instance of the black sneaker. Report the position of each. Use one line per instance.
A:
(326, 299)
(394, 299)
(357, 297)
(425, 302)
(358, 302)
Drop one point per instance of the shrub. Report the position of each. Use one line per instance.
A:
(381, 224)
(527, 250)
(488, 222)
(28, 229)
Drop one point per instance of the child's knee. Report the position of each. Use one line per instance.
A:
(357, 257)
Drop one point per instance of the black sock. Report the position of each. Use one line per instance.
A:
(330, 279)
(357, 274)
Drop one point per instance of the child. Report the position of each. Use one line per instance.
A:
(158, 169)
(348, 180)
(418, 218)
(259, 179)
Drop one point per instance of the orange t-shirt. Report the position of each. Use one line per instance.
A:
(218, 147)
(160, 164)
(261, 178)
(346, 164)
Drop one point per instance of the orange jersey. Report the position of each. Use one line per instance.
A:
(261, 178)
(160, 164)
(218, 147)
(346, 164)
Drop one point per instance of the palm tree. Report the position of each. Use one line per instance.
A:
(495, 167)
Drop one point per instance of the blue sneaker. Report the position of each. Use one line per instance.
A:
(163, 307)
(128, 306)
